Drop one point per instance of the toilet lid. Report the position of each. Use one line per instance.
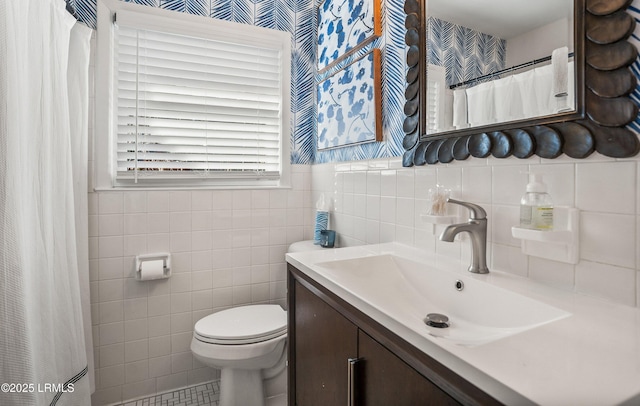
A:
(245, 324)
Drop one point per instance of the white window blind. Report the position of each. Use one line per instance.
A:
(196, 108)
(432, 106)
(435, 98)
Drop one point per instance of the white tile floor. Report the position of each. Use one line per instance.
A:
(206, 394)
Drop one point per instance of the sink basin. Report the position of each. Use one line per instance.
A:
(407, 291)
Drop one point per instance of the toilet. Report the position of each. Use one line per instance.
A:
(247, 344)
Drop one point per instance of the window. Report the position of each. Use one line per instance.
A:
(195, 101)
(436, 78)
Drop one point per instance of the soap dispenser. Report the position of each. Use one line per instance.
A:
(536, 206)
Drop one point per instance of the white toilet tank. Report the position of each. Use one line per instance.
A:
(301, 246)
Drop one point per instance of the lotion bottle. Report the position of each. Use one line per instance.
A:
(536, 206)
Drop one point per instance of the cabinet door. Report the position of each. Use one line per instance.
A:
(384, 379)
(324, 341)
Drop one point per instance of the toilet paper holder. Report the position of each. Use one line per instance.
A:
(162, 256)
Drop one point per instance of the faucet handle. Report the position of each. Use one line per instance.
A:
(475, 212)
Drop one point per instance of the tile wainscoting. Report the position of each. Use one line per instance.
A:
(229, 246)
(378, 201)
(227, 249)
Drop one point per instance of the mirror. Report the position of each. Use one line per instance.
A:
(486, 67)
(592, 117)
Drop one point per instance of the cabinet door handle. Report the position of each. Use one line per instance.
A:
(351, 377)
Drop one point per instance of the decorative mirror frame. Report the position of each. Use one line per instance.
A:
(603, 106)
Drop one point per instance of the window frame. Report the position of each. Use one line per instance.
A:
(105, 137)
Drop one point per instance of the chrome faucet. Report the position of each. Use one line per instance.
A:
(477, 229)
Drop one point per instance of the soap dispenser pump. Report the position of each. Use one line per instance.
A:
(536, 206)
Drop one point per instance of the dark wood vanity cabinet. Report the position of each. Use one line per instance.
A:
(384, 379)
(324, 341)
(340, 356)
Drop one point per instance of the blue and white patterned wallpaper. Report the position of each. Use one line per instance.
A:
(342, 26)
(465, 53)
(347, 105)
(295, 16)
(391, 43)
(299, 17)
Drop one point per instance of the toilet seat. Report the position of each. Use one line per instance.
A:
(242, 325)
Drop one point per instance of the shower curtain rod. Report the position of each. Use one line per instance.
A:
(515, 67)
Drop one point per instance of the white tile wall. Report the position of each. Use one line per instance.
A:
(378, 201)
(228, 249)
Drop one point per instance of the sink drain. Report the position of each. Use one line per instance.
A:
(437, 320)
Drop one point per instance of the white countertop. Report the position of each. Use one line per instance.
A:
(589, 358)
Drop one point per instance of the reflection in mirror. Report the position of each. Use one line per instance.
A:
(604, 115)
(498, 61)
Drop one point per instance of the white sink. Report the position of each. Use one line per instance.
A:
(407, 291)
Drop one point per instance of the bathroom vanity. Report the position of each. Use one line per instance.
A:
(338, 354)
(357, 335)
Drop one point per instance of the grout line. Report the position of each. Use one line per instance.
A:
(202, 394)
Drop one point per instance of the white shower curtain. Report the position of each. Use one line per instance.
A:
(43, 249)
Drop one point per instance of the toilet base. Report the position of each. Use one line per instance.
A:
(241, 387)
(275, 385)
